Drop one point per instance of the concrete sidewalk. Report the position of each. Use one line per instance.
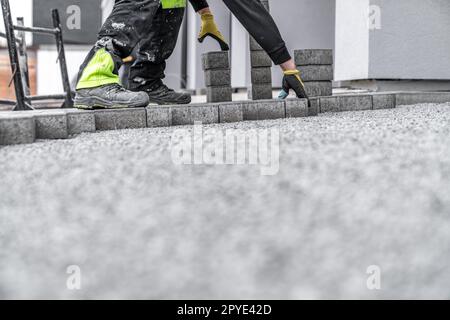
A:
(354, 189)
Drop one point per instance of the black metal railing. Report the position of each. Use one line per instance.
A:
(19, 61)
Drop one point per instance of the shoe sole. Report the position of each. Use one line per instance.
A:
(93, 103)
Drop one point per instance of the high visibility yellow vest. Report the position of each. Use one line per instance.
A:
(171, 4)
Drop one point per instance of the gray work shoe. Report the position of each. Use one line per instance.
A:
(160, 94)
(110, 96)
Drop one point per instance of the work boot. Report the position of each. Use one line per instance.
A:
(160, 94)
(109, 96)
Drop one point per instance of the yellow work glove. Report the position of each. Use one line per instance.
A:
(210, 29)
(292, 80)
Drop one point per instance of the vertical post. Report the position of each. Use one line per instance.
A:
(22, 103)
(68, 103)
(23, 58)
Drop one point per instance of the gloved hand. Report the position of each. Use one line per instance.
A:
(292, 80)
(209, 28)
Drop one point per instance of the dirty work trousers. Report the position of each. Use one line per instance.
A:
(154, 48)
(133, 20)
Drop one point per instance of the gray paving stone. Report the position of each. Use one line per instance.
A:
(219, 94)
(159, 116)
(254, 46)
(355, 103)
(270, 109)
(296, 108)
(181, 115)
(217, 77)
(409, 98)
(383, 101)
(17, 128)
(329, 104)
(313, 107)
(205, 113)
(264, 110)
(117, 119)
(260, 59)
(51, 124)
(316, 72)
(313, 56)
(260, 92)
(250, 111)
(231, 112)
(318, 88)
(80, 121)
(216, 60)
(261, 75)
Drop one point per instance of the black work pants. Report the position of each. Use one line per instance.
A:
(131, 23)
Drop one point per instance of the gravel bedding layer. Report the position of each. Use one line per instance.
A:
(353, 190)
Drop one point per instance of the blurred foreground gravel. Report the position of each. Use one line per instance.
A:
(354, 189)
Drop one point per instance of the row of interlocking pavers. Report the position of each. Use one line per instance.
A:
(20, 127)
(261, 69)
(316, 69)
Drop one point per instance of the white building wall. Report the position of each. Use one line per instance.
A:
(352, 40)
(48, 72)
(413, 41)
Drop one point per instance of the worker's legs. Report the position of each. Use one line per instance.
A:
(98, 80)
(153, 50)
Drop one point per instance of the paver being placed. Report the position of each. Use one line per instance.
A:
(117, 119)
(51, 124)
(17, 128)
